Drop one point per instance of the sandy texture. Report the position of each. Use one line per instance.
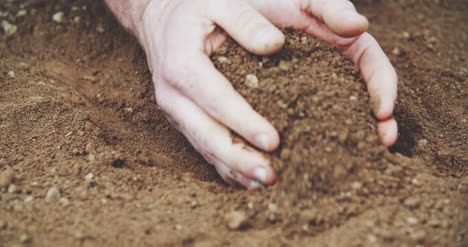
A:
(88, 159)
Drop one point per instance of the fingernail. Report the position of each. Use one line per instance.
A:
(261, 174)
(263, 141)
(349, 13)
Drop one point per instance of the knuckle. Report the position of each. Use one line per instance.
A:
(175, 71)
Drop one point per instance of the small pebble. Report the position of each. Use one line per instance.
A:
(372, 238)
(28, 199)
(24, 238)
(11, 74)
(272, 207)
(222, 59)
(423, 141)
(91, 157)
(412, 220)
(89, 177)
(9, 29)
(352, 97)
(64, 201)
(58, 17)
(396, 51)
(77, 19)
(250, 205)
(411, 203)
(6, 177)
(251, 81)
(100, 28)
(406, 35)
(283, 65)
(236, 220)
(12, 188)
(21, 12)
(356, 185)
(53, 195)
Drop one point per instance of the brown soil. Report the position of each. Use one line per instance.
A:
(81, 101)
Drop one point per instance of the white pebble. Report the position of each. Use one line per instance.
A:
(12, 188)
(9, 29)
(77, 19)
(91, 157)
(412, 220)
(21, 12)
(222, 59)
(356, 185)
(64, 201)
(53, 195)
(89, 177)
(272, 207)
(28, 199)
(58, 17)
(11, 74)
(235, 220)
(251, 81)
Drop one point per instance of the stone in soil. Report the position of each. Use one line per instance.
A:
(236, 220)
(53, 195)
(251, 81)
(58, 17)
(9, 28)
(6, 177)
(412, 203)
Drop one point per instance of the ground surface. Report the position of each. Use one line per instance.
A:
(76, 98)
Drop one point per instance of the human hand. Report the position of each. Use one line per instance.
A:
(178, 37)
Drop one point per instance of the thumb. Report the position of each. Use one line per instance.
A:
(247, 26)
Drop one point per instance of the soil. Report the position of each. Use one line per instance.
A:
(88, 159)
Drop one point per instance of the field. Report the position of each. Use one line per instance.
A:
(88, 159)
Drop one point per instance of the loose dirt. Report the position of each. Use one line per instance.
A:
(88, 159)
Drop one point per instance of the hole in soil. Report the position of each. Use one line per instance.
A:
(409, 132)
(118, 163)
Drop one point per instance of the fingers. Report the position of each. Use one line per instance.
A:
(247, 26)
(211, 91)
(232, 160)
(377, 71)
(388, 132)
(339, 15)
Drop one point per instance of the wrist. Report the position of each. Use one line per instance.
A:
(128, 12)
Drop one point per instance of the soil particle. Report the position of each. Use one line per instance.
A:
(13, 189)
(53, 195)
(236, 220)
(412, 203)
(7, 177)
(58, 17)
(24, 238)
(251, 81)
(8, 28)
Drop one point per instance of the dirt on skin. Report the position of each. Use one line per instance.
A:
(78, 113)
